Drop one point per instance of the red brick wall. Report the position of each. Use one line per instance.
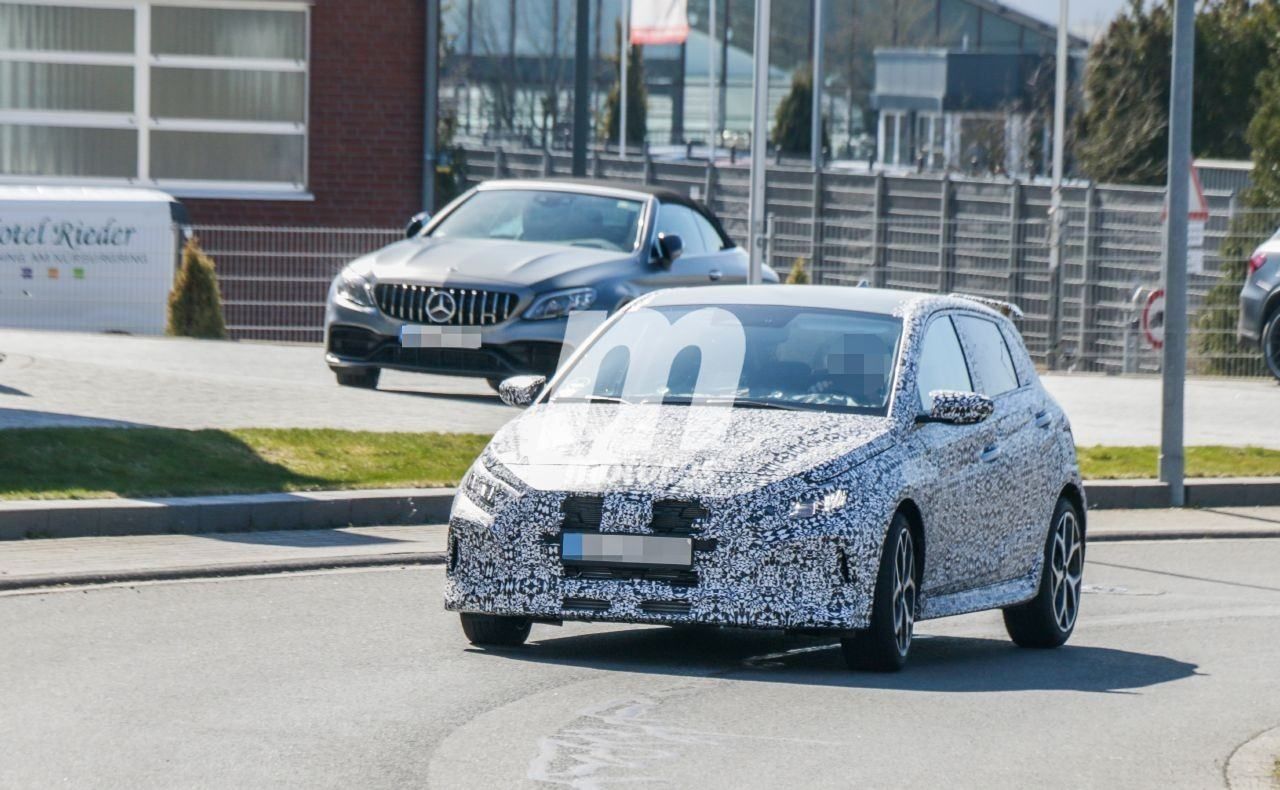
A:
(365, 136)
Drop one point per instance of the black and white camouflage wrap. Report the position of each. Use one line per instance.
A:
(984, 524)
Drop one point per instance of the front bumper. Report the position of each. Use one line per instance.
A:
(744, 574)
(368, 338)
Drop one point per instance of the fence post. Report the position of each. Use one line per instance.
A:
(547, 167)
(500, 163)
(946, 257)
(597, 167)
(709, 180)
(1016, 258)
(815, 229)
(1087, 344)
(648, 166)
(769, 229)
(878, 235)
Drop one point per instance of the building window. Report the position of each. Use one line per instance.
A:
(196, 98)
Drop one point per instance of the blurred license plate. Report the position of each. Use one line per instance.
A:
(413, 336)
(592, 548)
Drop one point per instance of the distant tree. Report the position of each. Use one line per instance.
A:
(1122, 135)
(793, 122)
(637, 100)
(799, 274)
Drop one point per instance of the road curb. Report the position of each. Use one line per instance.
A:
(221, 570)
(1203, 492)
(79, 518)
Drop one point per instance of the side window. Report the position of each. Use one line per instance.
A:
(988, 356)
(680, 221)
(942, 365)
(710, 237)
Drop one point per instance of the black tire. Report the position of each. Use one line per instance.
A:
(1048, 619)
(361, 378)
(883, 647)
(494, 383)
(495, 631)
(1270, 343)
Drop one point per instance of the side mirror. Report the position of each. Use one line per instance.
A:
(958, 408)
(520, 391)
(416, 223)
(670, 247)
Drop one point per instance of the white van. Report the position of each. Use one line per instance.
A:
(88, 258)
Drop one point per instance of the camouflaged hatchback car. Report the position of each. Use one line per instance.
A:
(814, 459)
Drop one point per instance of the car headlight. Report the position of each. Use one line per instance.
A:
(560, 303)
(818, 503)
(483, 489)
(354, 289)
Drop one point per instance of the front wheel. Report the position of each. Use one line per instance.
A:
(883, 647)
(1048, 619)
(495, 631)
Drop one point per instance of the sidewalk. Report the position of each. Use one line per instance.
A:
(55, 561)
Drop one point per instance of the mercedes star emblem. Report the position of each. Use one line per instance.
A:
(441, 306)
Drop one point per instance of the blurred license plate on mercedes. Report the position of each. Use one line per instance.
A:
(649, 551)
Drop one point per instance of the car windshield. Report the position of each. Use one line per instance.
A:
(550, 217)
(746, 356)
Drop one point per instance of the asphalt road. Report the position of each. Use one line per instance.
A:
(359, 679)
(53, 378)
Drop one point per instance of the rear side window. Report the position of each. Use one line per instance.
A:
(942, 365)
(710, 237)
(988, 356)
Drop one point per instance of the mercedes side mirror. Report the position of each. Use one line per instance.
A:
(520, 391)
(958, 408)
(416, 223)
(670, 247)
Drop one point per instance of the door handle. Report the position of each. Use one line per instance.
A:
(1044, 419)
(990, 453)
(715, 274)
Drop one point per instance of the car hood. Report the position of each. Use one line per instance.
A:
(444, 261)
(710, 450)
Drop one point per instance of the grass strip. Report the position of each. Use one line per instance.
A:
(91, 463)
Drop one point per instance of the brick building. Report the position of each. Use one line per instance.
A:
(253, 112)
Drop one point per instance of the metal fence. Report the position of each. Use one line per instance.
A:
(920, 233)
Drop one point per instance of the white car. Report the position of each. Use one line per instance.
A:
(815, 459)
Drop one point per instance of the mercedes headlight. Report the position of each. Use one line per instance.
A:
(560, 303)
(818, 503)
(354, 289)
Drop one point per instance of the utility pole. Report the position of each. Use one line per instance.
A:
(1174, 368)
(431, 106)
(581, 99)
(1056, 218)
(815, 134)
(759, 140)
(712, 101)
(624, 56)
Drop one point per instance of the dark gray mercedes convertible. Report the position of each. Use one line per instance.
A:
(486, 287)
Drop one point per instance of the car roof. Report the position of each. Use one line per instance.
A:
(592, 186)
(885, 301)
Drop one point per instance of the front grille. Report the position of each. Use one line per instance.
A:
(677, 516)
(470, 307)
(582, 513)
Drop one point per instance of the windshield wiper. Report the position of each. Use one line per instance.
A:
(741, 403)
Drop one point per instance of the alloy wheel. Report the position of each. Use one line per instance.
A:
(904, 592)
(1066, 565)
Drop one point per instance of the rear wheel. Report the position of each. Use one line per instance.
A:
(494, 384)
(883, 647)
(1271, 343)
(493, 630)
(1048, 619)
(362, 378)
